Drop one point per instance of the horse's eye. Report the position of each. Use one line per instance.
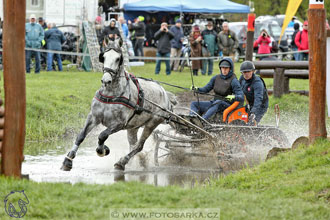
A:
(117, 60)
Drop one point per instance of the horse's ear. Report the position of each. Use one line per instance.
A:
(101, 58)
(119, 41)
(106, 40)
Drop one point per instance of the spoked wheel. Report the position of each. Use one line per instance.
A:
(234, 141)
(273, 137)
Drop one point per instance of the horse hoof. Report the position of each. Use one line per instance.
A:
(119, 167)
(65, 168)
(107, 150)
(67, 165)
(103, 152)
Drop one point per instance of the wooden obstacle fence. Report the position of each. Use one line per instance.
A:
(282, 72)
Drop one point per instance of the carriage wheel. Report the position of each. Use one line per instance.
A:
(236, 140)
(273, 137)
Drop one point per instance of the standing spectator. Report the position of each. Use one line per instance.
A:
(263, 42)
(293, 43)
(54, 39)
(327, 24)
(291, 24)
(139, 28)
(34, 34)
(111, 31)
(195, 39)
(98, 29)
(164, 37)
(176, 43)
(126, 39)
(124, 27)
(43, 55)
(227, 41)
(301, 41)
(42, 22)
(210, 39)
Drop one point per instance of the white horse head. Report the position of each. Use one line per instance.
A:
(112, 59)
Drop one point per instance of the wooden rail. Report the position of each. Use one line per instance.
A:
(291, 74)
(281, 72)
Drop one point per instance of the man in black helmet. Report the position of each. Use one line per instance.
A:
(255, 91)
(226, 88)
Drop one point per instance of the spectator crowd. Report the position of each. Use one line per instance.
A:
(207, 42)
(42, 36)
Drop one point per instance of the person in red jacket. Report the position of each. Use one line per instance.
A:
(301, 41)
(263, 41)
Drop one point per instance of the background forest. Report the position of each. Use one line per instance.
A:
(274, 7)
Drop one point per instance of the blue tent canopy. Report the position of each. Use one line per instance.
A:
(190, 6)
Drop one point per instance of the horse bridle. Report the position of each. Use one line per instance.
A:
(111, 71)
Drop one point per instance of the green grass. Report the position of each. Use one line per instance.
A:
(292, 186)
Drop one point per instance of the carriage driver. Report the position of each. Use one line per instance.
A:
(255, 91)
(227, 90)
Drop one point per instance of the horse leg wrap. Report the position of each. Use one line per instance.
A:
(102, 151)
(67, 163)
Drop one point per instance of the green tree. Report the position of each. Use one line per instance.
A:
(273, 7)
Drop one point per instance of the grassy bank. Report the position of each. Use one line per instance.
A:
(292, 186)
(57, 103)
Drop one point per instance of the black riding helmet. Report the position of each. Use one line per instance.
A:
(247, 66)
(224, 63)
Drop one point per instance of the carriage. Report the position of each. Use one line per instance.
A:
(222, 140)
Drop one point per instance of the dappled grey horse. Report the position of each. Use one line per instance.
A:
(122, 102)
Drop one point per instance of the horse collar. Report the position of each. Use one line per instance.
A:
(122, 100)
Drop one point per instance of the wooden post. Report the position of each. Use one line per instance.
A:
(249, 37)
(286, 84)
(328, 71)
(14, 81)
(317, 69)
(278, 82)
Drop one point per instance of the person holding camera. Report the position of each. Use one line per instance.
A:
(210, 39)
(227, 41)
(195, 40)
(263, 42)
(164, 37)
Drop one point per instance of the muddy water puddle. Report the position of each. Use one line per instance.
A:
(90, 168)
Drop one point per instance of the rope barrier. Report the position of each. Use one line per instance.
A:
(160, 58)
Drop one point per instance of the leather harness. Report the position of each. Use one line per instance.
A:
(122, 100)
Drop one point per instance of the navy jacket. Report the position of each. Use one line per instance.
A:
(235, 85)
(54, 39)
(255, 93)
(178, 34)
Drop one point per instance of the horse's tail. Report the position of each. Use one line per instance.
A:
(172, 98)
